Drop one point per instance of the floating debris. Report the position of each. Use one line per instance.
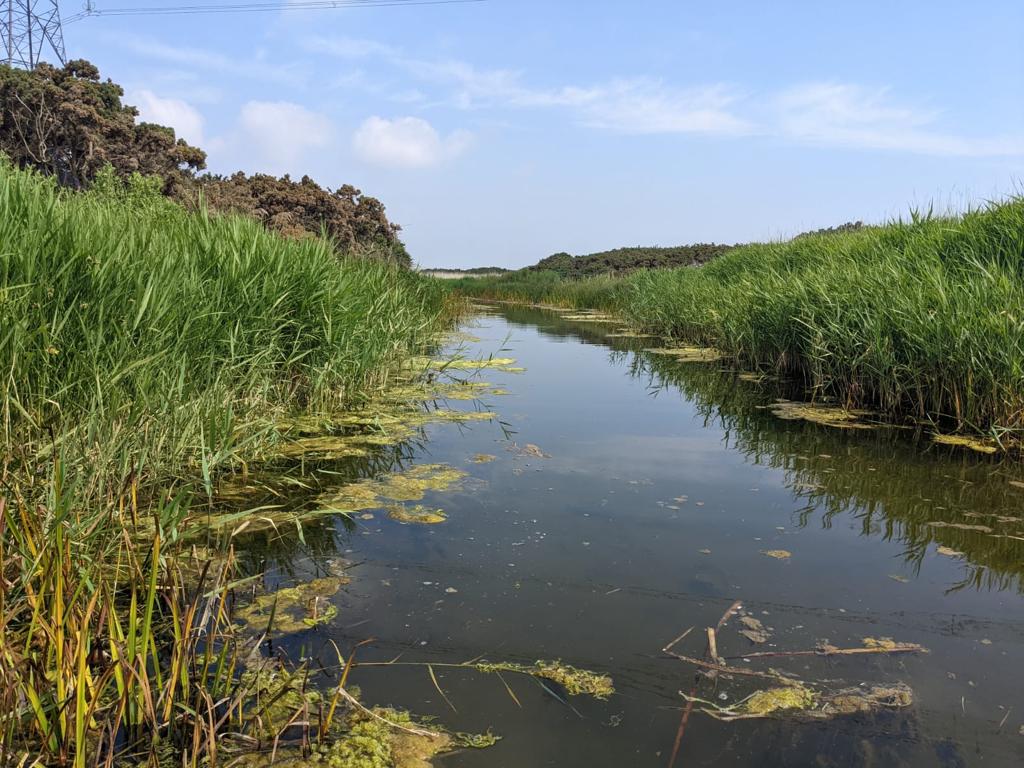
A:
(948, 551)
(459, 364)
(753, 630)
(529, 450)
(961, 526)
(575, 681)
(800, 702)
(591, 317)
(818, 413)
(628, 334)
(778, 554)
(689, 354)
(483, 458)
(773, 700)
(979, 444)
(756, 377)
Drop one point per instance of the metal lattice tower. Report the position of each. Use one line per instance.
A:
(31, 30)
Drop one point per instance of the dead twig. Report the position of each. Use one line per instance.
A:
(831, 650)
(685, 717)
(415, 731)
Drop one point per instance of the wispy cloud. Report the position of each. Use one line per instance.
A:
(637, 105)
(846, 115)
(281, 73)
(830, 114)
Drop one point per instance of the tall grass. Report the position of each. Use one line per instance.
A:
(143, 349)
(922, 317)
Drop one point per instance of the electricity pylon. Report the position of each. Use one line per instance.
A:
(30, 29)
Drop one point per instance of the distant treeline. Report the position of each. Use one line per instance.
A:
(68, 123)
(470, 271)
(625, 260)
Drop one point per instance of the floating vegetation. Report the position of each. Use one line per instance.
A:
(410, 485)
(948, 551)
(292, 609)
(416, 514)
(979, 444)
(801, 702)
(774, 700)
(473, 365)
(483, 458)
(778, 554)
(787, 697)
(960, 526)
(828, 415)
(689, 354)
(626, 333)
(587, 317)
(374, 737)
(756, 377)
(574, 680)
(354, 434)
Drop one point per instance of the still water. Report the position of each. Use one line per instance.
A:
(662, 485)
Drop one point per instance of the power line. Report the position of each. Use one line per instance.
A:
(253, 7)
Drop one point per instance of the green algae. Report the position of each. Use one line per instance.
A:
(817, 413)
(689, 354)
(483, 458)
(774, 700)
(802, 703)
(574, 680)
(293, 609)
(416, 514)
(410, 485)
(981, 445)
(374, 739)
(473, 365)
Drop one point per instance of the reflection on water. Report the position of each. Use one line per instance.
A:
(655, 488)
(894, 482)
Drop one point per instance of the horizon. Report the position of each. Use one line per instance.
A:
(498, 133)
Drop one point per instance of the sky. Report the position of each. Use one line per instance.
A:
(499, 132)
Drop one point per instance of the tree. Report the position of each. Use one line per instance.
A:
(68, 123)
(356, 222)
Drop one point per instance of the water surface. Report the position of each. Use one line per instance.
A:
(664, 483)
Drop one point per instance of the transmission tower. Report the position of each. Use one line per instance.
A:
(31, 30)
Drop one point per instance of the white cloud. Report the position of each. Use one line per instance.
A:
(842, 114)
(277, 136)
(185, 119)
(406, 142)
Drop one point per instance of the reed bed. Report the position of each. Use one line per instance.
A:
(920, 318)
(546, 288)
(143, 350)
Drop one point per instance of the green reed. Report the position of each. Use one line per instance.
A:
(923, 317)
(143, 350)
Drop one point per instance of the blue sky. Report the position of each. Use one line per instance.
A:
(502, 131)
